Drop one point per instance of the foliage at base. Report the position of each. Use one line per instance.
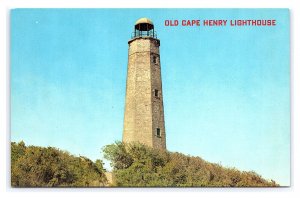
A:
(34, 166)
(136, 165)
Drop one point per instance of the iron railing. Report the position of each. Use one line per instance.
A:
(138, 33)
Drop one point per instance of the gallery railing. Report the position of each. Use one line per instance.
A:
(137, 34)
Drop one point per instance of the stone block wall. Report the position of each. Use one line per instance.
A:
(144, 115)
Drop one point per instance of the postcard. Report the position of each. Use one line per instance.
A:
(150, 97)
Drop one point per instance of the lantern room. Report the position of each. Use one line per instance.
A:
(144, 28)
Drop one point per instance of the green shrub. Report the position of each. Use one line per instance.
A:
(35, 166)
(138, 165)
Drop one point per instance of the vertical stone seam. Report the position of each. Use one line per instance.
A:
(126, 93)
(134, 98)
(164, 138)
(151, 96)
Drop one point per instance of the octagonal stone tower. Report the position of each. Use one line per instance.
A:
(144, 112)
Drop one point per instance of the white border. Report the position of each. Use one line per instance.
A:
(5, 189)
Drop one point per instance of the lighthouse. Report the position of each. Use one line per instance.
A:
(144, 110)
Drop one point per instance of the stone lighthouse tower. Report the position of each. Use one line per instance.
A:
(144, 112)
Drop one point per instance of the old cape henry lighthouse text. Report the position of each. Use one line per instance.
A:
(208, 22)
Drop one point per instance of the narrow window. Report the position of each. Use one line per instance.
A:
(158, 132)
(156, 93)
(154, 59)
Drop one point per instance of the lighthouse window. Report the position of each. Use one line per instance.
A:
(156, 93)
(158, 134)
(154, 59)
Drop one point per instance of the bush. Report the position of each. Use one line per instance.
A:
(35, 166)
(138, 165)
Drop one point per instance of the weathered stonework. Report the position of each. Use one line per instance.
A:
(110, 179)
(144, 112)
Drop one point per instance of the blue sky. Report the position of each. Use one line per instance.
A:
(226, 89)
